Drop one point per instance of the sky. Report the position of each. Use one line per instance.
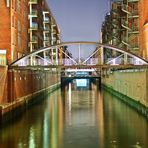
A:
(79, 20)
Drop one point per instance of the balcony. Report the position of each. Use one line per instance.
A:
(134, 30)
(34, 39)
(125, 41)
(115, 32)
(46, 38)
(115, 26)
(115, 23)
(53, 38)
(134, 14)
(33, 13)
(120, 45)
(33, 1)
(53, 32)
(133, 1)
(114, 20)
(134, 46)
(125, 24)
(46, 20)
(115, 10)
(125, 8)
(46, 28)
(34, 26)
(54, 35)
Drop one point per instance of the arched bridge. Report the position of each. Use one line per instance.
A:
(80, 55)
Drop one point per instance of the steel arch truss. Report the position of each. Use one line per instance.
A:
(60, 54)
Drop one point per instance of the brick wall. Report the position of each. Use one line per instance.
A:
(5, 24)
(26, 82)
(143, 28)
(3, 84)
(10, 19)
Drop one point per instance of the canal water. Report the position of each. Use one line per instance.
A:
(77, 117)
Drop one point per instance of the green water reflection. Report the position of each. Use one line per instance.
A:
(77, 118)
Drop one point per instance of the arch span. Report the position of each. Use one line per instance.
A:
(52, 55)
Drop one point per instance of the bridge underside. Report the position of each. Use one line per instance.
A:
(98, 66)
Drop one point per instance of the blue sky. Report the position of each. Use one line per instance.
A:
(79, 20)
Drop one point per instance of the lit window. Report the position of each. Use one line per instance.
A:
(8, 3)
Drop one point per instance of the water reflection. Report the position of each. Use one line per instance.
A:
(56, 121)
(77, 118)
(80, 117)
(123, 125)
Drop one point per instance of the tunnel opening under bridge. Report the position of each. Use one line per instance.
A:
(81, 82)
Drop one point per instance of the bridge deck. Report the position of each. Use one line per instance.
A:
(128, 66)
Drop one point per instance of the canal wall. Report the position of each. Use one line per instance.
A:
(23, 87)
(131, 86)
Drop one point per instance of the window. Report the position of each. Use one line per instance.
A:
(8, 3)
(13, 22)
(19, 34)
(2, 57)
(18, 5)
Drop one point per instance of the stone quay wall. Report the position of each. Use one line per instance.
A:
(131, 86)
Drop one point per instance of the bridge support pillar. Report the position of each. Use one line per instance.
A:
(56, 58)
(101, 55)
(125, 59)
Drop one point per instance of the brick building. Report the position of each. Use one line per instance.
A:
(25, 26)
(144, 28)
(13, 30)
(125, 26)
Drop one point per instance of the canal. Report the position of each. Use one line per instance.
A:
(77, 117)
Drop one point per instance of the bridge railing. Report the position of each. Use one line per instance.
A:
(133, 61)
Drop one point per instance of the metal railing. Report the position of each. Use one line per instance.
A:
(34, 26)
(34, 12)
(46, 28)
(46, 38)
(125, 24)
(134, 45)
(46, 20)
(33, 1)
(125, 41)
(134, 29)
(34, 39)
(125, 8)
(134, 13)
(133, 0)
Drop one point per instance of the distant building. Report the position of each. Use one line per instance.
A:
(43, 29)
(126, 26)
(25, 26)
(143, 10)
